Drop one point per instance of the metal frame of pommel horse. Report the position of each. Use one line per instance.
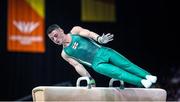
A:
(89, 93)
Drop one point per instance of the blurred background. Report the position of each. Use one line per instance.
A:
(145, 32)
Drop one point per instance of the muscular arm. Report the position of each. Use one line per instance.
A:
(84, 32)
(78, 67)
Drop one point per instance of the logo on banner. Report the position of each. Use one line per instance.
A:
(26, 28)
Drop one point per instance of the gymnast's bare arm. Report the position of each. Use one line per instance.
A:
(78, 67)
(84, 32)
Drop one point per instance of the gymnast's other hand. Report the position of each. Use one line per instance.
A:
(92, 82)
(105, 38)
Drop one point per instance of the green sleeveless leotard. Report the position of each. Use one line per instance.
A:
(82, 49)
(104, 60)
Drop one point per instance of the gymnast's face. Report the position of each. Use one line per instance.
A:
(57, 36)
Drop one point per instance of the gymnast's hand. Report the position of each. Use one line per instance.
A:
(92, 82)
(105, 38)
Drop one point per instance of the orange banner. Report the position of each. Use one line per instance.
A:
(26, 26)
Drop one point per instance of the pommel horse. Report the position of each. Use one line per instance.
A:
(89, 93)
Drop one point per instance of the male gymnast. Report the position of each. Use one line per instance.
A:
(80, 48)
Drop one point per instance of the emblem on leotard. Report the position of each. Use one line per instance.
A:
(75, 45)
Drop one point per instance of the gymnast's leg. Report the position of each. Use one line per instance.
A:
(117, 73)
(119, 60)
(122, 62)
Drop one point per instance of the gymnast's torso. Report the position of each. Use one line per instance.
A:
(82, 49)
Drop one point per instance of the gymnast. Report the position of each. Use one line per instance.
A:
(84, 47)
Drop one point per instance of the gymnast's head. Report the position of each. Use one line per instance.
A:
(56, 34)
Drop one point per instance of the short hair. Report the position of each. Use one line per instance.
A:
(52, 27)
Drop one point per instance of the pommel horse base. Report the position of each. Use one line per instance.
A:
(58, 93)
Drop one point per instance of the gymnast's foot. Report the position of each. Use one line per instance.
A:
(146, 83)
(151, 78)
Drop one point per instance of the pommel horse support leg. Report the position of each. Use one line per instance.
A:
(88, 93)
